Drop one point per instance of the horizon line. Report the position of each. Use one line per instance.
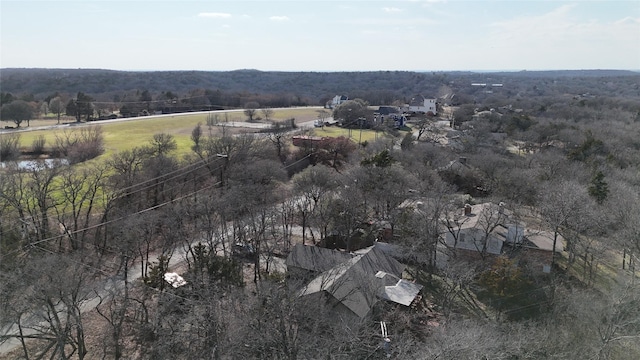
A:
(325, 71)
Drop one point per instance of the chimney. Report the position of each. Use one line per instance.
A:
(467, 209)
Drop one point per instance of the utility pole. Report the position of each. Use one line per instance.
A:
(223, 167)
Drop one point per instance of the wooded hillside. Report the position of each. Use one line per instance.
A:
(380, 87)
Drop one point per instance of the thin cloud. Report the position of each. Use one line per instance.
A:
(560, 36)
(430, 3)
(391, 9)
(279, 18)
(390, 22)
(543, 26)
(628, 21)
(214, 15)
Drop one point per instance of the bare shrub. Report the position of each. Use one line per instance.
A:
(9, 147)
(37, 146)
(79, 146)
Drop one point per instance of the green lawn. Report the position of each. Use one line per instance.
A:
(355, 134)
(128, 134)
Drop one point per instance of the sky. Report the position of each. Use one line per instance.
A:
(313, 35)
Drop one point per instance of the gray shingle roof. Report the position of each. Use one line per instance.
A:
(353, 281)
(314, 258)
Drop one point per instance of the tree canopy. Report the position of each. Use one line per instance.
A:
(17, 111)
(350, 111)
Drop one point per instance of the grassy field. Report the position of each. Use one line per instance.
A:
(122, 135)
(354, 134)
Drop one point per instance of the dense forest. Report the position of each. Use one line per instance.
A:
(85, 245)
(235, 88)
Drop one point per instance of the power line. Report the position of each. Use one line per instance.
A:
(74, 261)
(179, 172)
(69, 233)
(114, 220)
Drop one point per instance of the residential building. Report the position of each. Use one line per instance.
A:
(337, 100)
(352, 282)
(480, 229)
(534, 250)
(491, 229)
(420, 104)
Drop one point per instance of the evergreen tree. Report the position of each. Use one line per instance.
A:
(599, 189)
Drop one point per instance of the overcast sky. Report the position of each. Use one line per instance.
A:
(306, 35)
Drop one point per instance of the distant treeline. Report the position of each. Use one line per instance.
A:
(167, 91)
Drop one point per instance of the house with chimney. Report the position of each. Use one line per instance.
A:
(478, 229)
(486, 230)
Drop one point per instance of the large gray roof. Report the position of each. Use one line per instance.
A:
(314, 258)
(354, 282)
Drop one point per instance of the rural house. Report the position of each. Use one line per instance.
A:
(534, 249)
(479, 229)
(489, 229)
(422, 105)
(352, 282)
(337, 100)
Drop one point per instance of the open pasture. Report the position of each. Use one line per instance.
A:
(355, 135)
(123, 134)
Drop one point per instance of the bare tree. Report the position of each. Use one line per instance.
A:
(267, 113)
(163, 144)
(490, 218)
(113, 306)
(39, 199)
(323, 115)
(594, 325)
(80, 145)
(421, 229)
(385, 187)
(278, 139)
(335, 151)
(221, 153)
(250, 110)
(54, 289)
(563, 207)
(57, 106)
(255, 192)
(311, 185)
(79, 193)
(9, 147)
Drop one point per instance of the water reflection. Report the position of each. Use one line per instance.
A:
(34, 164)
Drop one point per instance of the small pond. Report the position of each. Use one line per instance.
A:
(34, 164)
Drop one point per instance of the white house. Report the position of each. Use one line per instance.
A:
(337, 100)
(420, 104)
